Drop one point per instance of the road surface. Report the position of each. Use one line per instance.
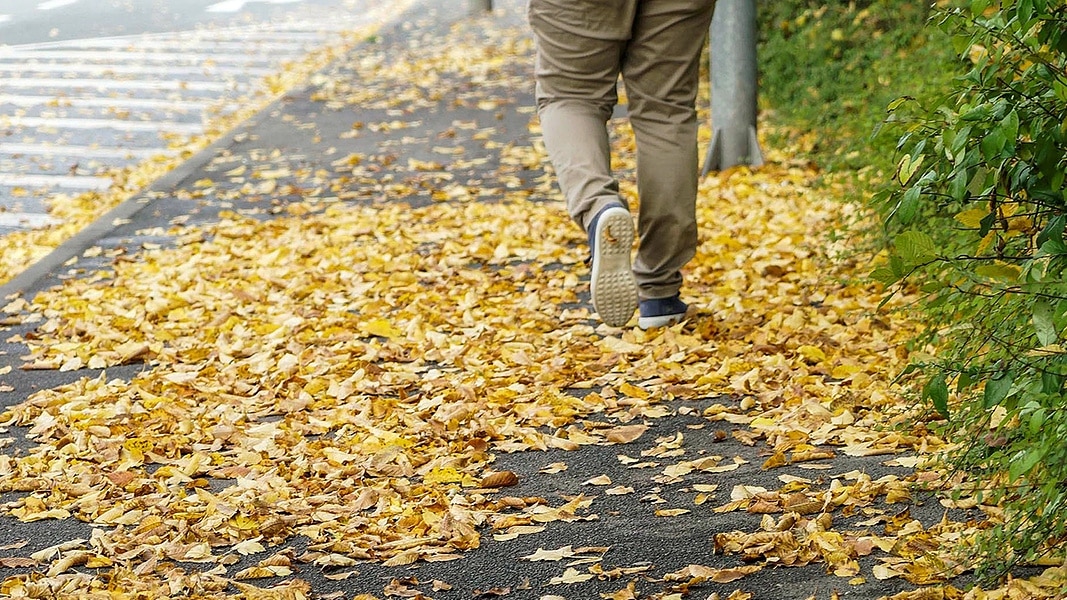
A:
(87, 86)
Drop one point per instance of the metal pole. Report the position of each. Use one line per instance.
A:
(733, 87)
(477, 7)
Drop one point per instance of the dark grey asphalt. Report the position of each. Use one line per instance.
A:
(636, 536)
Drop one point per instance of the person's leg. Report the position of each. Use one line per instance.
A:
(661, 71)
(576, 93)
(578, 63)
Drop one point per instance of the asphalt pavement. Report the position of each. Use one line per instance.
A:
(307, 134)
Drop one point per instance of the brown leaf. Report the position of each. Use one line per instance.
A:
(625, 434)
(500, 479)
(733, 574)
(17, 562)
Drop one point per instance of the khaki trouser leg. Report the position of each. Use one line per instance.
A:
(582, 46)
(661, 70)
(576, 93)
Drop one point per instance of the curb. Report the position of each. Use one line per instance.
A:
(106, 223)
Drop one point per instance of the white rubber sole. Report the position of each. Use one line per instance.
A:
(612, 282)
(659, 321)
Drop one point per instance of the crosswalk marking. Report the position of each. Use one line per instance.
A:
(54, 4)
(67, 182)
(95, 124)
(184, 105)
(236, 5)
(104, 70)
(72, 111)
(202, 45)
(9, 55)
(24, 220)
(114, 84)
(84, 151)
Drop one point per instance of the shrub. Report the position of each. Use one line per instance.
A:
(978, 218)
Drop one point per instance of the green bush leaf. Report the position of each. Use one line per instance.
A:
(1043, 324)
(1052, 231)
(993, 145)
(1003, 272)
(909, 205)
(915, 246)
(1036, 422)
(997, 388)
(1024, 462)
(936, 391)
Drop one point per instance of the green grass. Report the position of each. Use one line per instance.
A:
(829, 70)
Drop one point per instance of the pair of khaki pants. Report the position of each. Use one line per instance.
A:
(582, 47)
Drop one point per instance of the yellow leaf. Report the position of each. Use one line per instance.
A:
(443, 475)
(671, 512)
(614, 344)
(551, 555)
(811, 354)
(571, 575)
(632, 391)
(883, 571)
(380, 328)
(845, 371)
(137, 447)
(972, 218)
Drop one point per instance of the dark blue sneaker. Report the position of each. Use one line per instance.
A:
(661, 312)
(612, 283)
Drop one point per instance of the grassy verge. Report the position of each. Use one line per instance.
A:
(829, 70)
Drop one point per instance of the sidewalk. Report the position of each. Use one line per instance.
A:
(351, 353)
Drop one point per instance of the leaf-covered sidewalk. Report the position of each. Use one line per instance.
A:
(355, 356)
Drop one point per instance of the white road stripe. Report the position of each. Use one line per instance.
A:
(258, 43)
(83, 151)
(306, 30)
(53, 4)
(119, 125)
(304, 34)
(196, 58)
(21, 220)
(236, 5)
(67, 182)
(98, 70)
(105, 84)
(193, 105)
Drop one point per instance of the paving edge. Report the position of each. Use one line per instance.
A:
(105, 224)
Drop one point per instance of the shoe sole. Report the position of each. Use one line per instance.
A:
(659, 321)
(612, 282)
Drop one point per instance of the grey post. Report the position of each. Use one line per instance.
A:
(733, 87)
(477, 7)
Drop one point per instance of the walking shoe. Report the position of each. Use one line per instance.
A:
(661, 312)
(614, 289)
